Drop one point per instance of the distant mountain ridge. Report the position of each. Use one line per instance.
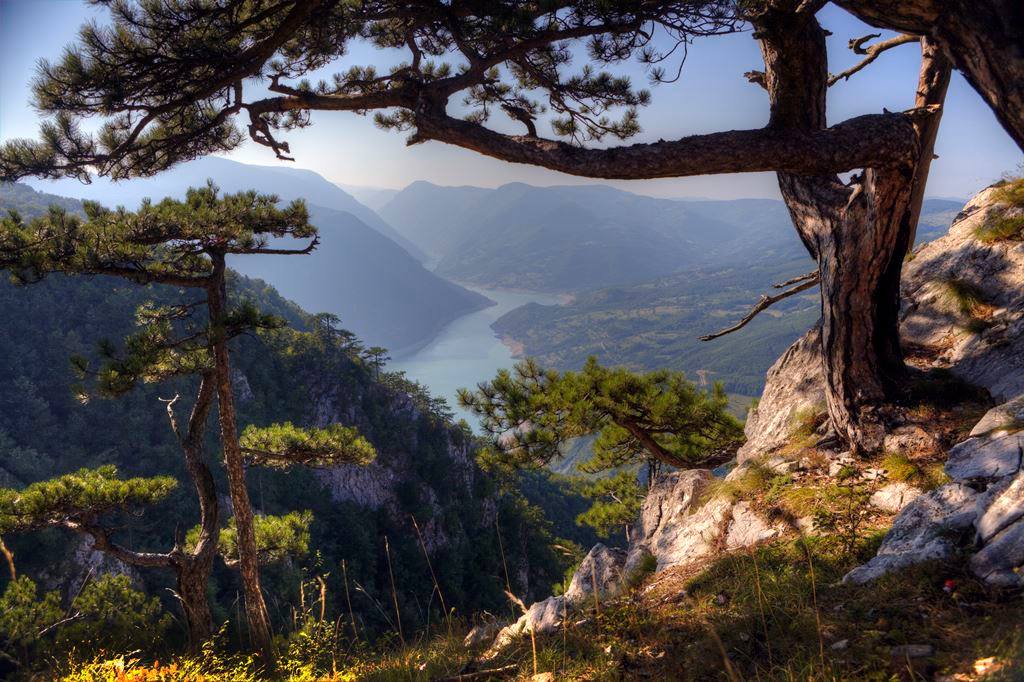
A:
(582, 237)
(230, 176)
(378, 289)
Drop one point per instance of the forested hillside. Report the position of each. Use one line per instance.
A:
(658, 325)
(424, 468)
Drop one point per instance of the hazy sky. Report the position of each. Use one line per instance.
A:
(711, 95)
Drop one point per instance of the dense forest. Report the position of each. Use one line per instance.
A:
(291, 374)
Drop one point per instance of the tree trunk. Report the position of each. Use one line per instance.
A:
(984, 40)
(193, 577)
(255, 608)
(859, 233)
(193, 570)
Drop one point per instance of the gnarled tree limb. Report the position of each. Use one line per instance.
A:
(872, 52)
(806, 282)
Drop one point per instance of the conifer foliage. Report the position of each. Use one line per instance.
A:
(659, 418)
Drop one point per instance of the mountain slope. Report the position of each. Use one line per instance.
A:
(378, 289)
(581, 237)
(424, 467)
(658, 324)
(230, 176)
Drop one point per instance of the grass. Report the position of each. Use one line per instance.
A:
(755, 478)
(1011, 191)
(1000, 226)
(776, 612)
(964, 297)
(927, 475)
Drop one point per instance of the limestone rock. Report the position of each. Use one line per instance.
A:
(985, 457)
(923, 531)
(636, 560)
(603, 567)
(993, 359)
(482, 634)
(1008, 416)
(747, 528)
(674, 527)
(1004, 507)
(543, 618)
(1001, 560)
(794, 383)
(894, 497)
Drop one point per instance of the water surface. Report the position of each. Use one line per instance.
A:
(467, 351)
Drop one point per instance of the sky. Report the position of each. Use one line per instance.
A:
(711, 95)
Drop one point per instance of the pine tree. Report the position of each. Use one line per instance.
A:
(170, 79)
(185, 244)
(529, 413)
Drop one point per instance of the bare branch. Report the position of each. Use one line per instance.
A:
(762, 304)
(872, 52)
(813, 274)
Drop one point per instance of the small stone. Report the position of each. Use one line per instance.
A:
(906, 651)
(911, 440)
(841, 645)
(721, 599)
(894, 497)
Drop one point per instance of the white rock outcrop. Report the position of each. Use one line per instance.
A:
(892, 498)
(925, 530)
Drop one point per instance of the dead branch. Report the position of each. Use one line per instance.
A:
(872, 52)
(813, 274)
(762, 304)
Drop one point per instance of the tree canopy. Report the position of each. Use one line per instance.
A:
(171, 79)
(529, 413)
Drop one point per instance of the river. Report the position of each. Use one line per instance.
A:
(467, 351)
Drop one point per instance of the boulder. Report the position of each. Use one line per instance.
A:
(925, 530)
(985, 457)
(603, 567)
(482, 634)
(1006, 417)
(1001, 560)
(894, 497)
(637, 562)
(674, 527)
(747, 528)
(542, 618)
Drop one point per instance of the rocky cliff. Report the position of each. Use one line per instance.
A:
(950, 483)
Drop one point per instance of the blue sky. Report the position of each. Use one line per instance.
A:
(711, 95)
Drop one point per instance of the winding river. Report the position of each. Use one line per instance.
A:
(467, 351)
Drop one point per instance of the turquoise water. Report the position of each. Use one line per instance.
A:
(467, 351)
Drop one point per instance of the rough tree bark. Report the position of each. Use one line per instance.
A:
(984, 40)
(858, 233)
(193, 568)
(255, 607)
